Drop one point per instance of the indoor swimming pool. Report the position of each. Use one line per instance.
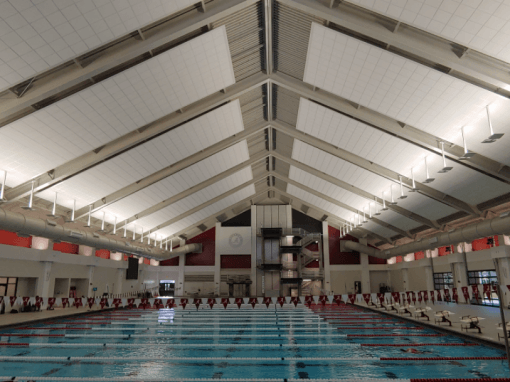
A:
(279, 344)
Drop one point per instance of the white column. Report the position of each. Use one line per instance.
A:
(325, 251)
(44, 282)
(92, 269)
(405, 279)
(179, 288)
(253, 286)
(217, 261)
(365, 272)
(118, 281)
(429, 275)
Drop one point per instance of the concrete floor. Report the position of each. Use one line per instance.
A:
(489, 325)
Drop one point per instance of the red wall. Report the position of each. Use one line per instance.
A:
(66, 248)
(442, 251)
(419, 255)
(103, 253)
(481, 244)
(173, 262)
(399, 259)
(207, 239)
(337, 257)
(236, 261)
(10, 238)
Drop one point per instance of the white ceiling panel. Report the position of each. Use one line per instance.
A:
(36, 35)
(478, 24)
(395, 154)
(367, 181)
(207, 212)
(332, 208)
(116, 106)
(179, 182)
(150, 157)
(196, 199)
(351, 199)
(406, 91)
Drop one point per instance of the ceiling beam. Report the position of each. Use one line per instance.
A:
(174, 199)
(134, 138)
(55, 83)
(208, 203)
(410, 134)
(226, 210)
(342, 205)
(375, 168)
(363, 231)
(168, 171)
(355, 190)
(474, 67)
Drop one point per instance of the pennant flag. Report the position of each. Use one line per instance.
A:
(25, 300)
(465, 292)
(170, 303)
(337, 298)
(205, 301)
(351, 298)
(51, 302)
(294, 300)
(197, 302)
(432, 296)
(253, 302)
(102, 302)
(239, 302)
(323, 299)
(145, 303)
(425, 295)
(211, 302)
(420, 297)
(267, 301)
(38, 301)
(487, 290)
(12, 300)
(413, 297)
(281, 301)
(246, 300)
(287, 300)
(330, 298)
(439, 298)
(315, 299)
(65, 301)
(274, 300)
(447, 297)
(455, 295)
(224, 302)
(218, 300)
(308, 300)
(366, 297)
(130, 302)
(158, 303)
(78, 302)
(396, 296)
(508, 286)
(116, 302)
(260, 300)
(380, 297)
(184, 302)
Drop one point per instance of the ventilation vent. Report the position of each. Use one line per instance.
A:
(199, 278)
(202, 227)
(221, 218)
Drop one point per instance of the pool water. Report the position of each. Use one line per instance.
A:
(329, 343)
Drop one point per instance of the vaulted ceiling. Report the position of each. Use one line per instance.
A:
(167, 116)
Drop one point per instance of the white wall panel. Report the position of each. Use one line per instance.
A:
(116, 106)
(406, 91)
(479, 25)
(208, 211)
(152, 156)
(36, 35)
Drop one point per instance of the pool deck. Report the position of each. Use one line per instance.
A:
(489, 324)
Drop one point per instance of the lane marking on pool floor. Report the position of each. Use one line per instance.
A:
(146, 379)
(173, 345)
(329, 335)
(130, 359)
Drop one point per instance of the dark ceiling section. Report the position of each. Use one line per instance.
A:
(300, 220)
(291, 33)
(245, 33)
(241, 220)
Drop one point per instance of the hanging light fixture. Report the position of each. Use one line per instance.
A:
(392, 201)
(2, 190)
(413, 189)
(166, 245)
(149, 238)
(493, 137)
(171, 245)
(102, 222)
(125, 230)
(54, 209)
(141, 237)
(445, 168)
(402, 196)
(370, 210)
(377, 212)
(428, 179)
(134, 231)
(30, 200)
(364, 216)
(72, 212)
(467, 154)
(114, 225)
(384, 208)
(89, 216)
(359, 219)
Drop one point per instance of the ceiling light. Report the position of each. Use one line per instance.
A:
(370, 210)
(149, 238)
(493, 137)
(141, 237)
(171, 245)
(402, 196)
(88, 219)
(377, 212)
(467, 154)
(392, 202)
(384, 208)
(413, 189)
(102, 223)
(2, 190)
(364, 216)
(359, 220)
(30, 200)
(445, 168)
(428, 179)
(54, 209)
(114, 226)
(72, 213)
(134, 231)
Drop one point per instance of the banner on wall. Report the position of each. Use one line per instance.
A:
(233, 240)
(465, 293)
(487, 290)
(476, 292)
(455, 295)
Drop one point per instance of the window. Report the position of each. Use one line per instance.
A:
(443, 280)
(8, 286)
(484, 277)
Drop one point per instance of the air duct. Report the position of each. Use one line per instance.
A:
(496, 226)
(23, 225)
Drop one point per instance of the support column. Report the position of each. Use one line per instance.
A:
(179, 290)
(501, 257)
(405, 279)
(458, 266)
(253, 275)
(365, 272)
(118, 281)
(90, 292)
(429, 275)
(44, 282)
(217, 262)
(325, 254)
